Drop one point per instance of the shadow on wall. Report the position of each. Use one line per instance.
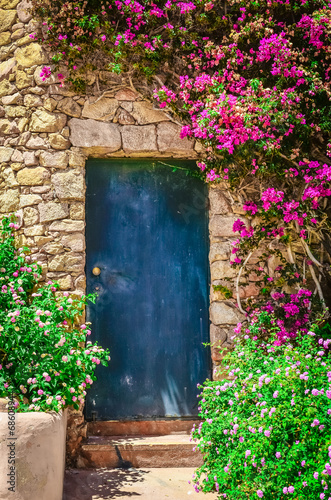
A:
(101, 484)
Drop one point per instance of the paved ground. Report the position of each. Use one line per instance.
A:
(133, 484)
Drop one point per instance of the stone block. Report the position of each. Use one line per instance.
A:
(219, 335)
(126, 95)
(32, 176)
(220, 251)
(57, 141)
(30, 159)
(23, 11)
(37, 230)
(169, 141)
(29, 55)
(76, 159)
(15, 111)
(7, 19)
(221, 225)
(5, 154)
(6, 68)
(8, 4)
(139, 139)
(54, 160)
(5, 38)
(124, 118)
(27, 200)
(23, 80)
(32, 101)
(219, 203)
(43, 121)
(6, 88)
(75, 241)
(69, 107)
(17, 156)
(30, 216)
(12, 99)
(80, 283)
(69, 186)
(103, 109)
(51, 210)
(77, 211)
(67, 262)
(221, 313)
(145, 114)
(65, 282)
(36, 142)
(53, 248)
(9, 200)
(9, 178)
(68, 226)
(222, 269)
(94, 135)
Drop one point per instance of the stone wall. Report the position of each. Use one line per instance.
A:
(47, 133)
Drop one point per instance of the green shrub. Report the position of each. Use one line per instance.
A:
(266, 428)
(45, 362)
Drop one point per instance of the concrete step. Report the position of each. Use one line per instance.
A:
(140, 427)
(139, 451)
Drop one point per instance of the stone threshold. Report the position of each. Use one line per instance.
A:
(140, 427)
(139, 451)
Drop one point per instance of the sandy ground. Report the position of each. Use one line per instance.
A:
(133, 484)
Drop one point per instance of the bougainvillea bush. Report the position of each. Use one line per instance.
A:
(46, 361)
(266, 428)
(250, 80)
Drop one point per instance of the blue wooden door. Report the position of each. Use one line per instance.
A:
(147, 232)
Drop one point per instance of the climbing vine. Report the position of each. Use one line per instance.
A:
(251, 81)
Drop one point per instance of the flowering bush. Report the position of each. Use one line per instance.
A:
(45, 362)
(250, 80)
(266, 429)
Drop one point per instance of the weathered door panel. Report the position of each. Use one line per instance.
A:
(147, 231)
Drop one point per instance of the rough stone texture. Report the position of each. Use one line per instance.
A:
(5, 154)
(30, 55)
(68, 226)
(23, 11)
(222, 269)
(220, 251)
(8, 4)
(69, 186)
(71, 262)
(75, 241)
(139, 139)
(94, 135)
(6, 68)
(169, 141)
(102, 109)
(7, 19)
(225, 313)
(30, 216)
(39, 472)
(27, 200)
(69, 107)
(55, 160)
(219, 203)
(57, 141)
(220, 225)
(42, 121)
(144, 113)
(52, 211)
(9, 200)
(32, 176)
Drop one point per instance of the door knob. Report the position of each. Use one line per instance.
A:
(96, 271)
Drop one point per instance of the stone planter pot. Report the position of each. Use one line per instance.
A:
(39, 454)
